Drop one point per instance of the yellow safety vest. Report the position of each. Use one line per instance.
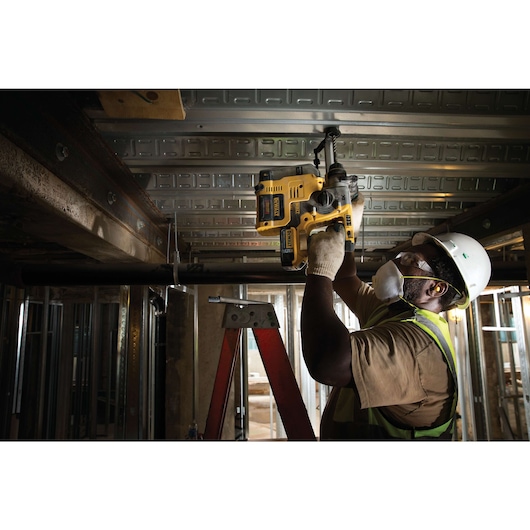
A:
(436, 327)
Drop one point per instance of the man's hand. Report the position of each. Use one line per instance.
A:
(326, 251)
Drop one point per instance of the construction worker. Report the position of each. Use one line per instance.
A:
(396, 377)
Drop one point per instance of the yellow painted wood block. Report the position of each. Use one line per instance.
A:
(143, 104)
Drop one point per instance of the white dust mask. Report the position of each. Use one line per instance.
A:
(388, 283)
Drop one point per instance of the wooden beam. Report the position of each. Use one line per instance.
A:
(143, 104)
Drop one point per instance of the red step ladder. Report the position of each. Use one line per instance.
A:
(261, 318)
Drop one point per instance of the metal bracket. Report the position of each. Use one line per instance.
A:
(247, 313)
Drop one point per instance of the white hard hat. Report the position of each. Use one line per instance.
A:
(470, 258)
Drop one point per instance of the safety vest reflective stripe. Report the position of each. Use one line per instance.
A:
(375, 417)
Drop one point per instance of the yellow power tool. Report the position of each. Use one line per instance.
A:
(294, 202)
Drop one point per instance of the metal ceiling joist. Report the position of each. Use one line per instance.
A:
(487, 221)
(311, 123)
(54, 157)
(39, 204)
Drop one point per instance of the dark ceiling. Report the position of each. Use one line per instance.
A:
(104, 177)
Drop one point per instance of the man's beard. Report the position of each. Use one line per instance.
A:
(412, 289)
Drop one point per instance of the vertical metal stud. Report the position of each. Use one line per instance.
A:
(94, 367)
(43, 363)
(481, 405)
(521, 310)
(121, 361)
(135, 417)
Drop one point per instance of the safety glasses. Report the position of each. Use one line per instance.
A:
(411, 259)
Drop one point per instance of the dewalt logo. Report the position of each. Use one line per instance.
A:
(289, 239)
(276, 207)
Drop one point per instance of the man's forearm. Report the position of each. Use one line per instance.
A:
(347, 283)
(325, 339)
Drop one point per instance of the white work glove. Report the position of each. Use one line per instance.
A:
(357, 207)
(326, 251)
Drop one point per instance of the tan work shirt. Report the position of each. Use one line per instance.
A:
(397, 366)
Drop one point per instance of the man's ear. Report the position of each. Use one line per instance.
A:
(438, 289)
